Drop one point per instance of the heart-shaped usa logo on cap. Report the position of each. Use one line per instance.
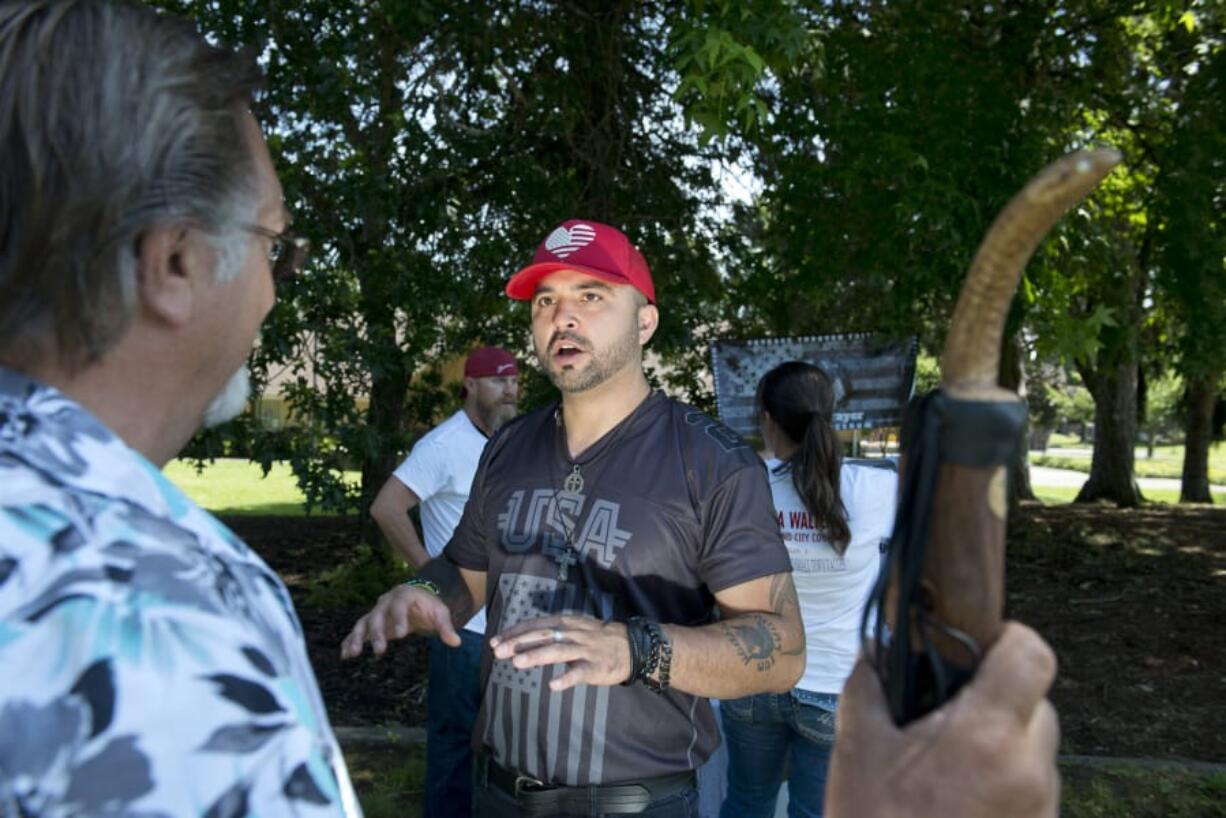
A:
(563, 242)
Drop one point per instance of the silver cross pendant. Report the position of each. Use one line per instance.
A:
(573, 484)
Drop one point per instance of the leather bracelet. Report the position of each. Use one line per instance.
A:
(424, 584)
(643, 650)
(635, 637)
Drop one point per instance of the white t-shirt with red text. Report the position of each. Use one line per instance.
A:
(833, 589)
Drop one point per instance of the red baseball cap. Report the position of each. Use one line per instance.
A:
(488, 362)
(588, 247)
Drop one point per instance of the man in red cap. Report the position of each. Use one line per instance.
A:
(604, 533)
(438, 474)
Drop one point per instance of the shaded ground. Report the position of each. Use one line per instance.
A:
(365, 691)
(1133, 601)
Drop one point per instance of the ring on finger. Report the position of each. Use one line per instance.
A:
(556, 635)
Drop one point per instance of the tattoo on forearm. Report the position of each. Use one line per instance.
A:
(756, 640)
(786, 606)
(783, 595)
(452, 588)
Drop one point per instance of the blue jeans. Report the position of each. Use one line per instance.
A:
(713, 777)
(766, 732)
(452, 698)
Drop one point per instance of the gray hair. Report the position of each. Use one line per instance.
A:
(113, 119)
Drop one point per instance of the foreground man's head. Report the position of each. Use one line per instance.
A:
(141, 225)
(138, 211)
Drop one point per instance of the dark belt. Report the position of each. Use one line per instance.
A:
(538, 799)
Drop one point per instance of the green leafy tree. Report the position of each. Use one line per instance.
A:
(1091, 283)
(426, 147)
(1122, 310)
(886, 149)
(1190, 202)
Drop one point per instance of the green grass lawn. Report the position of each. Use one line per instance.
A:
(1125, 791)
(1166, 462)
(1055, 495)
(389, 779)
(234, 486)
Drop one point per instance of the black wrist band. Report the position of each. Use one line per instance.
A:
(635, 638)
(642, 652)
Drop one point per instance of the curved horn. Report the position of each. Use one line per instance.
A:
(945, 594)
(971, 358)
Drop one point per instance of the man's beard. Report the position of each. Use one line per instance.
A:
(601, 366)
(494, 416)
(230, 401)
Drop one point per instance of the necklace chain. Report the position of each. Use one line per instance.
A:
(573, 484)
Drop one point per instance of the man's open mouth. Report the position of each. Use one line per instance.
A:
(566, 350)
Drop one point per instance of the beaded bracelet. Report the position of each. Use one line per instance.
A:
(650, 649)
(662, 656)
(425, 584)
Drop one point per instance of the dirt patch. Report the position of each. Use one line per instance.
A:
(361, 692)
(1133, 601)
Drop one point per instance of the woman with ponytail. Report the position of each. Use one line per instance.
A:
(834, 518)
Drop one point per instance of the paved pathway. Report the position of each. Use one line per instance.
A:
(1044, 476)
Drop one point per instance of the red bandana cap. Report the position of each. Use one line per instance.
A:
(587, 247)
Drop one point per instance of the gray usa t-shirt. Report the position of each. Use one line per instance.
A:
(674, 507)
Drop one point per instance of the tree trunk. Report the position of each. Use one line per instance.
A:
(1198, 434)
(1012, 376)
(385, 416)
(1113, 384)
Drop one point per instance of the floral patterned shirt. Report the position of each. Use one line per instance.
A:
(151, 664)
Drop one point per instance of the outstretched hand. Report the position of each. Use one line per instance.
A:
(595, 652)
(402, 611)
(990, 752)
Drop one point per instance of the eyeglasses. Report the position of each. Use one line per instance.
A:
(287, 251)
